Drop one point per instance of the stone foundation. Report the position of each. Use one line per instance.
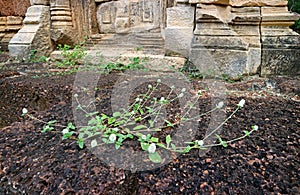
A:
(230, 37)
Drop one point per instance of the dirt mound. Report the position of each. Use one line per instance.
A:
(34, 163)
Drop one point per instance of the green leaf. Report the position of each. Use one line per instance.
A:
(111, 120)
(150, 110)
(151, 123)
(81, 135)
(117, 145)
(154, 139)
(47, 128)
(145, 146)
(104, 116)
(52, 122)
(155, 157)
(129, 136)
(67, 135)
(161, 145)
(80, 143)
(223, 143)
(169, 124)
(140, 127)
(71, 126)
(94, 143)
(173, 147)
(105, 140)
(247, 133)
(117, 114)
(187, 149)
(168, 140)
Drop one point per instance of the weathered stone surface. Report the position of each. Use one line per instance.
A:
(180, 16)
(35, 35)
(221, 2)
(252, 3)
(277, 16)
(232, 36)
(179, 31)
(39, 2)
(13, 7)
(128, 16)
(243, 3)
(280, 61)
(9, 25)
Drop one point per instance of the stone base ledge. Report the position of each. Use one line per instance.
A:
(152, 62)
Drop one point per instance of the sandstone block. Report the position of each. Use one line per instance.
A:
(14, 20)
(217, 2)
(3, 20)
(180, 17)
(252, 3)
(178, 41)
(34, 35)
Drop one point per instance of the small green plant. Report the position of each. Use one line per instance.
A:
(34, 58)
(193, 72)
(138, 122)
(70, 57)
(135, 64)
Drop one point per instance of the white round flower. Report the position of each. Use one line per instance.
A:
(241, 103)
(144, 137)
(172, 87)
(150, 86)
(180, 95)
(65, 131)
(162, 99)
(183, 90)
(200, 142)
(76, 95)
(112, 137)
(199, 92)
(152, 148)
(116, 129)
(220, 105)
(138, 99)
(255, 127)
(24, 111)
(158, 80)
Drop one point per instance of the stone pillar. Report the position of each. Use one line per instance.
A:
(62, 22)
(35, 34)
(179, 28)
(69, 20)
(244, 37)
(61, 15)
(280, 44)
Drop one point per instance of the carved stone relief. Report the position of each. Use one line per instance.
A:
(128, 16)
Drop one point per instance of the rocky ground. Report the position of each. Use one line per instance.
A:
(31, 162)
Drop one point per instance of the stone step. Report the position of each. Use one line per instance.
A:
(151, 43)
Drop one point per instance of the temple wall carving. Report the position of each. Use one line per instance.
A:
(231, 36)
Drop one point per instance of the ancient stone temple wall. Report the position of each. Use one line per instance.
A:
(230, 37)
(245, 37)
(12, 13)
